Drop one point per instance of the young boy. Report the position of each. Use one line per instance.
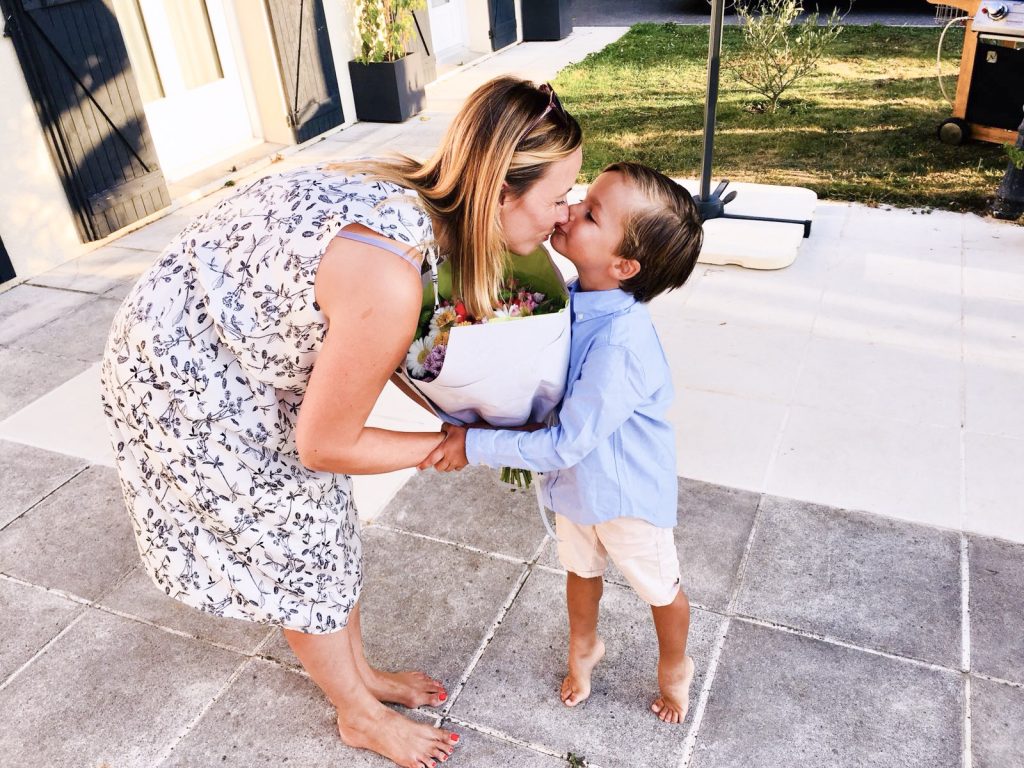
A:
(612, 456)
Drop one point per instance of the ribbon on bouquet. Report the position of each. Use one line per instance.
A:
(543, 511)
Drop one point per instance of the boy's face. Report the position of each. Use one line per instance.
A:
(591, 237)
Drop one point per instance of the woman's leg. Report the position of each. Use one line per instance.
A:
(675, 668)
(410, 689)
(586, 649)
(363, 721)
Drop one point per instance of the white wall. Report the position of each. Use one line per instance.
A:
(36, 221)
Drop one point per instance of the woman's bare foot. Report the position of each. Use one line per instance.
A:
(576, 686)
(674, 685)
(410, 689)
(409, 744)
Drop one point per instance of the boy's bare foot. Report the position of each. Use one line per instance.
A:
(674, 685)
(576, 686)
(410, 689)
(409, 744)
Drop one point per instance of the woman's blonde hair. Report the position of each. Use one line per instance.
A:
(508, 132)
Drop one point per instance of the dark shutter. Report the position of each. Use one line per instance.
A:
(307, 66)
(6, 268)
(77, 70)
(503, 23)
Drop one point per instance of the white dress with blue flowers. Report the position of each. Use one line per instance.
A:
(203, 378)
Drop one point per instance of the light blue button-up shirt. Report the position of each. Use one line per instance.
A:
(613, 451)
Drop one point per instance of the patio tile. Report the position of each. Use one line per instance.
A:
(138, 596)
(997, 604)
(514, 688)
(158, 234)
(992, 395)
(900, 227)
(425, 605)
(719, 358)
(99, 271)
(854, 577)
(30, 475)
(78, 540)
(992, 327)
(24, 308)
(81, 334)
(994, 486)
(469, 507)
(109, 692)
(781, 699)
(29, 619)
(997, 724)
(881, 381)
(68, 420)
(725, 439)
(986, 232)
(30, 375)
(886, 298)
(993, 274)
(911, 472)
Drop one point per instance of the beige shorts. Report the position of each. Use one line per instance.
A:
(645, 553)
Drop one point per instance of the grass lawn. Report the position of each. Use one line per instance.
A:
(861, 128)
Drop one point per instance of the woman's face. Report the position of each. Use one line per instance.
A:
(528, 220)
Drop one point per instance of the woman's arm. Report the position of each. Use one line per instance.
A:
(372, 302)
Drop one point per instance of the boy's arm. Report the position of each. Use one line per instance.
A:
(609, 390)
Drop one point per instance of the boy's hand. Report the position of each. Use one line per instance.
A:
(449, 455)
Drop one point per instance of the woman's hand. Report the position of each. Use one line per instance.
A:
(449, 455)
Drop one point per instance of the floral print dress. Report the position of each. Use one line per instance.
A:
(203, 378)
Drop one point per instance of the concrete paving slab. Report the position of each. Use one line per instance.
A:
(997, 724)
(855, 577)
(907, 471)
(80, 335)
(68, 419)
(994, 485)
(138, 596)
(108, 692)
(98, 271)
(992, 395)
(24, 308)
(514, 688)
(29, 476)
(29, 619)
(270, 716)
(156, 235)
(470, 507)
(781, 699)
(78, 539)
(30, 375)
(993, 327)
(997, 605)
(425, 605)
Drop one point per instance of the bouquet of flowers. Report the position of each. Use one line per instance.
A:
(508, 370)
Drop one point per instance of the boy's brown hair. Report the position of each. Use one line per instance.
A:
(665, 237)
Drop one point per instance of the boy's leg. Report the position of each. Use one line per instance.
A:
(646, 555)
(583, 557)
(583, 598)
(675, 668)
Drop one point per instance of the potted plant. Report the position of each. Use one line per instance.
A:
(387, 81)
(546, 19)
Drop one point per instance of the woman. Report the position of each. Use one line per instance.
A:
(242, 368)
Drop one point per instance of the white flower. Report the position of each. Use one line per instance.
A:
(416, 355)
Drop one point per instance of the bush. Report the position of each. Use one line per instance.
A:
(385, 27)
(777, 50)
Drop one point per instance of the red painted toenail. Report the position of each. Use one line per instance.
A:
(455, 737)
(442, 696)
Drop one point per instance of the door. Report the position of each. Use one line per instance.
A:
(307, 66)
(447, 25)
(185, 62)
(76, 66)
(503, 23)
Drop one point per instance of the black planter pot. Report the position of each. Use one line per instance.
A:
(546, 19)
(388, 91)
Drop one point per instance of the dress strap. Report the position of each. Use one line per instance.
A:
(387, 245)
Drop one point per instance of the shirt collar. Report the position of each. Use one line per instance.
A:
(588, 305)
